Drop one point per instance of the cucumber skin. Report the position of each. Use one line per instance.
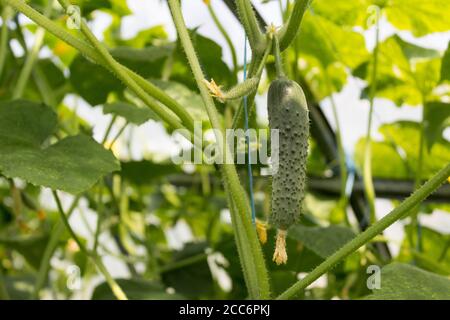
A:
(288, 112)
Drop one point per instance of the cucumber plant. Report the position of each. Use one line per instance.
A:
(48, 145)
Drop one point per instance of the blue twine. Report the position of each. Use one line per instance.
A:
(247, 140)
(351, 170)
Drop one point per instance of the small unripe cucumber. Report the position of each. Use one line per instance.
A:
(288, 112)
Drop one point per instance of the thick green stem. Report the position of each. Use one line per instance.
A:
(278, 59)
(250, 24)
(290, 30)
(115, 288)
(90, 53)
(6, 15)
(363, 238)
(341, 152)
(31, 56)
(226, 37)
(229, 173)
(367, 165)
(256, 69)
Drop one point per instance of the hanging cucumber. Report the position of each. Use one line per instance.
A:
(288, 112)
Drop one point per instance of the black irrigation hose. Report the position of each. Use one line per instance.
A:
(325, 137)
(385, 188)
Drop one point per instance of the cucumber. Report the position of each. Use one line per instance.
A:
(288, 112)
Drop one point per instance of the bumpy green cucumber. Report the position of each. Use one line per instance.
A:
(288, 112)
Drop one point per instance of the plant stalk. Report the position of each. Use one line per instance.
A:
(229, 173)
(367, 165)
(363, 238)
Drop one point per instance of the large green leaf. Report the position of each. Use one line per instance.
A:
(406, 73)
(130, 112)
(148, 61)
(193, 280)
(135, 289)
(119, 7)
(382, 152)
(326, 50)
(445, 67)
(331, 43)
(347, 13)
(323, 241)
(432, 257)
(73, 164)
(92, 82)
(437, 118)
(146, 172)
(406, 135)
(30, 247)
(189, 99)
(418, 17)
(210, 56)
(405, 282)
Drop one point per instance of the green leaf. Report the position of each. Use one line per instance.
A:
(20, 287)
(119, 7)
(419, 17)
(130, 112)
(382, 153)
(406, 135)
(148, 61)
(323, 241)
(30, 247)
(437, 118)
(347, 13)
(92, 82)
(406, 73)
(135, 289)
(445, 67)
(432, 256)
(193, 280)
(73, 164)
(146, 172)
(405, 282)
(210, 56)
(331, 43)
(190, 100)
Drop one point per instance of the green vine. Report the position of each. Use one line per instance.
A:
(115, 288)
(367, 165)
(229, 174)
(375, 229)
(290, 30)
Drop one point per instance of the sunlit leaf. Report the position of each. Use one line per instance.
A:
(129, 112)
(405, 282)
(73, 164)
